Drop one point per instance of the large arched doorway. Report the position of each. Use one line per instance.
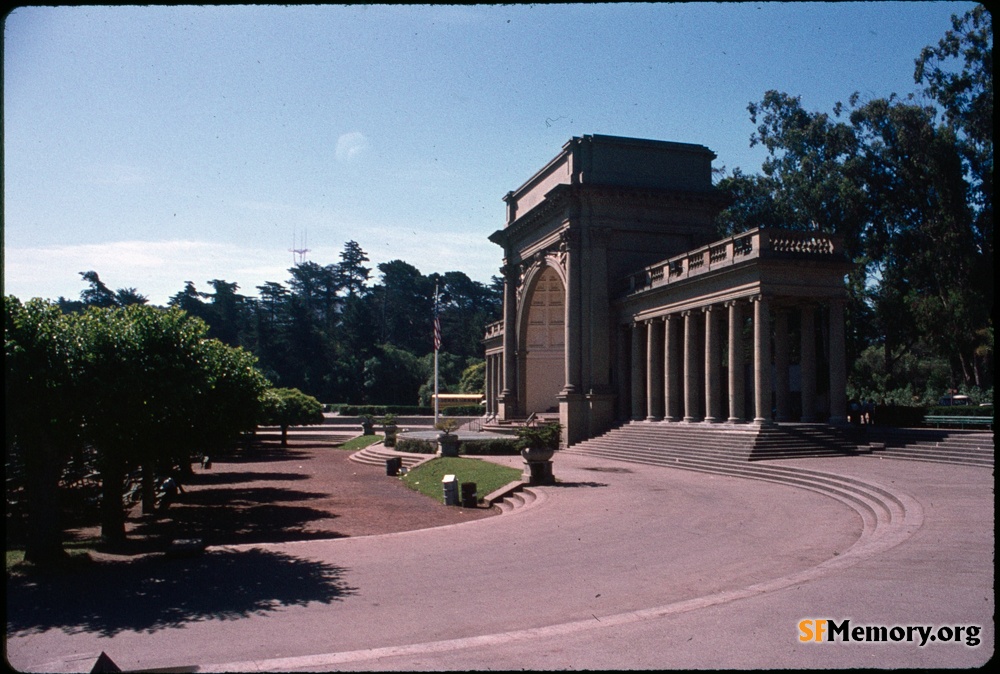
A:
(544, 344)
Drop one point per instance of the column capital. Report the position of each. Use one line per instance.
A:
(570, 238)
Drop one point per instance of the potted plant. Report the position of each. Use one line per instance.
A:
(447, 441)
(389, 428)
(537, 445)
(368, 424)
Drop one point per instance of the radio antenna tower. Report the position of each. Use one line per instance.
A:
(298, 254)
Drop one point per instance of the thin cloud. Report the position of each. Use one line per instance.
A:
(351, 145)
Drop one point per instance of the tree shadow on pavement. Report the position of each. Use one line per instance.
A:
(237, 516)
(233, 477)
(155, 592)
(262, 453)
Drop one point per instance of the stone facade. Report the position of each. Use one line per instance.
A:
(619, 304)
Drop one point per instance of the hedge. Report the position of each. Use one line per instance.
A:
(484, 447)
(404, 410)
(961, 410)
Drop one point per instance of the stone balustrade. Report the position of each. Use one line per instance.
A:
(733, 250)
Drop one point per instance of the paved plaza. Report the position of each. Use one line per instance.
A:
(619, 566)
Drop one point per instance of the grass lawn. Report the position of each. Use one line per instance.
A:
(488, 476)
(360, 442)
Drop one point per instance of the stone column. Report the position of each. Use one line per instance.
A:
(654, 370)
(736, 402)
(807, 361)
(571, 343)
(508, 396)
(713, 364)
(762, 360)
(488, 385)
(672, 368)
(638, 373)
(691, 382)
(572, 406)
(782, 395)
(838, 364)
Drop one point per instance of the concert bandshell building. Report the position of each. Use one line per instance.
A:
(620, 304)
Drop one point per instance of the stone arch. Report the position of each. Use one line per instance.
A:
(542, 337)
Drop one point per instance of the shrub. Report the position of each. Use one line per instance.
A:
(415, 446)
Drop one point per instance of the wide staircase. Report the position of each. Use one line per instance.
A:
(668, 443)
(376, 455)
(973, 448)
(693, 445)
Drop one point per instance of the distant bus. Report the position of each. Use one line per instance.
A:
(458, 399)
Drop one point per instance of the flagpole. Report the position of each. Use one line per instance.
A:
(437, 347)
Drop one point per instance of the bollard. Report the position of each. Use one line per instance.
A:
(450, 485)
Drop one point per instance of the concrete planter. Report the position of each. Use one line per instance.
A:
(448, 444)
(538, 465)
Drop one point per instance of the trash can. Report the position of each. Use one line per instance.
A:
(469, 496)
(392, 465)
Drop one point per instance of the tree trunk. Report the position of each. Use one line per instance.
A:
(148, 489)
(44, 539)
(112, 493)
(284, 436)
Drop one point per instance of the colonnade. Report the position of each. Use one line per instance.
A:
(494, 383)
(677, 363)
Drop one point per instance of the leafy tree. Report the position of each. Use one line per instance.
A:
(229, 310)
(965, 94)
(287, 407)
(403, 303)
(911, 195)
(99, 295)
(473, 378)
(191, 301)
(751, 202)
(229, 397)
(41, 391)
(155, 388)
(450, 369)
(352, 275)
(466, 307)
(393, 376)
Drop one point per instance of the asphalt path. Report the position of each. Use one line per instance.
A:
(619, 566)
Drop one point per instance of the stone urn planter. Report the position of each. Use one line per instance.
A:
(538, 444)
(389, 428)
(448, 442)
(368, 425)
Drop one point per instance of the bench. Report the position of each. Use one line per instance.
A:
(957, 420)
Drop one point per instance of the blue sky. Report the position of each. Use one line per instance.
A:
(159, 145)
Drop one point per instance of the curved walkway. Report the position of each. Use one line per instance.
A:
(623, 566)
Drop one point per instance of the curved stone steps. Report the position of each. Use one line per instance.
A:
(884, 513)
(376, 455)
(517, 500)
